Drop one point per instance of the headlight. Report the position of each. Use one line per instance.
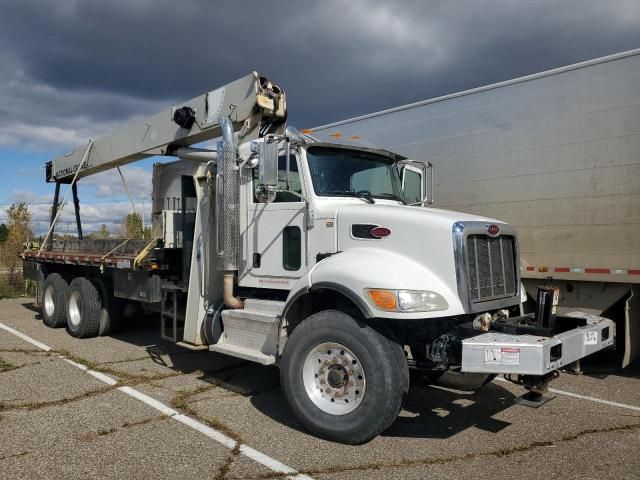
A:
(406, 300)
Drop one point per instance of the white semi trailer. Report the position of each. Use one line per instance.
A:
(557, 155)
(280, 249)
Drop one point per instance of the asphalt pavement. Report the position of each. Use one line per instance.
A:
(133, 406)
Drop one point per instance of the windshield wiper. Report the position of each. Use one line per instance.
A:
(392, 196)
(364, 195)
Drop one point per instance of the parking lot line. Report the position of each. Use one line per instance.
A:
(26, 338)
(584, 397)
(253, 454)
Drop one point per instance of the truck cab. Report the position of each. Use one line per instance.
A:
(341, 215)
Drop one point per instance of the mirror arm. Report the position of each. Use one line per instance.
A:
(288, 165)
(430, 195)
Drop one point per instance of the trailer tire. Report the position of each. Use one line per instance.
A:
(111, 311)
(364, 366)
(54, 301)
(83, 309)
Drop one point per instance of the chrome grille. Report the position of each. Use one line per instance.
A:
(491, 267)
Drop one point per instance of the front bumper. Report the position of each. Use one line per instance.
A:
(505, 353)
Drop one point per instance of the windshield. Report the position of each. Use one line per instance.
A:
(343, 172)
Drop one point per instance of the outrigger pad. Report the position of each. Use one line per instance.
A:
(533, 399)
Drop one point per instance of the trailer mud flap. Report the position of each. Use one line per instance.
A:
(525, 354)
(632, 326)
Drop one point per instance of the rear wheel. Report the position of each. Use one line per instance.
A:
(111, 311)
(83, 309)
(343, 380)
(54, 301)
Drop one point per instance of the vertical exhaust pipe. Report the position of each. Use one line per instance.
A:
(229, 220)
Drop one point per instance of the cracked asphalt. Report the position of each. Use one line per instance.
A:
(57, 421)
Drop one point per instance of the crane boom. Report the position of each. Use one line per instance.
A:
(253, 104)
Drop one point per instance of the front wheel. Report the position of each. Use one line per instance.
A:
(343, 380)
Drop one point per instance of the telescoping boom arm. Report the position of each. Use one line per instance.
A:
(254, 105)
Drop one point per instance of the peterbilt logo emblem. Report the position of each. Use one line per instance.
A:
(492, 229)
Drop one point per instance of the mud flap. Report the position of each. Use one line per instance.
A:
(632, 326)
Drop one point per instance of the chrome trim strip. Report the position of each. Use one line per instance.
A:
(460, 232)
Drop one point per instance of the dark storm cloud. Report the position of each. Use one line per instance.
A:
(72, 69)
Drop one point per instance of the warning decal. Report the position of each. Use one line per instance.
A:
(590, 338)
(502, 356)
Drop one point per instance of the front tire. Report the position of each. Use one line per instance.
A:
(343, 380)
(54, 301)
(83, 309)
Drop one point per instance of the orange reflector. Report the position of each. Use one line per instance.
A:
(307, 131)
(354, 137)
(336, 135)
(384, 299)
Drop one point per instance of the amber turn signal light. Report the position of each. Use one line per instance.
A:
(384, 299)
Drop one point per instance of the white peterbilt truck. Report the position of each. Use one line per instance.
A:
(323, 259)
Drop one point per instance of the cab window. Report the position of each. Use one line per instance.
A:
(294, 181)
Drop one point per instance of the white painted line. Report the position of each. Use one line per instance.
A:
(102, 377)
(75, 364)
(597, 400)
(269, 462)
(26, 338)
(208, 431)
(152, 402)
(212, 433)
(584, 397)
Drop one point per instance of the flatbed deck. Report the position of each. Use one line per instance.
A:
(114, 253)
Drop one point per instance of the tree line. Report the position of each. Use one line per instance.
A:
(18, 228)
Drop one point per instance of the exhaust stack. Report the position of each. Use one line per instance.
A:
(228, 211)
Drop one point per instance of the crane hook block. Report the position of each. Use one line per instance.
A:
(184, 116)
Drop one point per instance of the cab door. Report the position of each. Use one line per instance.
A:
(275, 239)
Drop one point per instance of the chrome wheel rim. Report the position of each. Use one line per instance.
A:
(74, 308)
(49, 304)
(334, 378)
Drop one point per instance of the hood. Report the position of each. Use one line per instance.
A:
(423, 237)
(409, 225)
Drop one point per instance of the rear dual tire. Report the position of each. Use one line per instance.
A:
(83, 309)
(54, 301)
(111, 311)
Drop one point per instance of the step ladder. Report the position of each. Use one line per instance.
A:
(251, 333)
(169, 313)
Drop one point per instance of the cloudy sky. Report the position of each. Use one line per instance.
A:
(74, 69)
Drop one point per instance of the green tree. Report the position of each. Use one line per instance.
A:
(19, 222)
(18, 232)
(132, 226)
(4, 232)
(102, 233)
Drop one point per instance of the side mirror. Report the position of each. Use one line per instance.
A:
(417, 182)
(268, 161)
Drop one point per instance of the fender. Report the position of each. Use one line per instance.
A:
(353, 270)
